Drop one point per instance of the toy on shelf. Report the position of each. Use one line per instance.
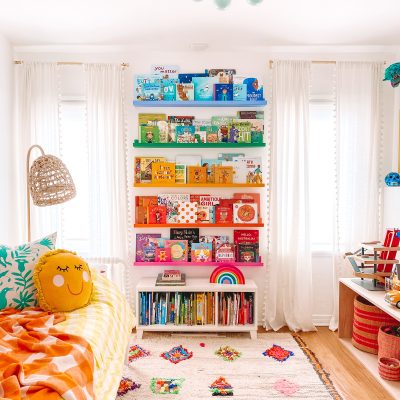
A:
(393, 287)
(374, 261)
(227, 274)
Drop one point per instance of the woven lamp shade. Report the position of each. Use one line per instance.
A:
(50, 181)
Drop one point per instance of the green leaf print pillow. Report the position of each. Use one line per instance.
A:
(16, 269)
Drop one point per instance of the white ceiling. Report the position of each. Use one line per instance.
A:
(181, 22)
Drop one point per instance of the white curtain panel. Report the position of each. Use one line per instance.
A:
(358, 175)
(288, 298)
(36, 122)
(107, 168)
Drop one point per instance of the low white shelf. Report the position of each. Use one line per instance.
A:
(348, 289)
(198, 286)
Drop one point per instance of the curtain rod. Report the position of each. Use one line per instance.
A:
(123, 65)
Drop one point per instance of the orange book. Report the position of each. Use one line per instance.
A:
(162, 172)
(197, 174)
(223, 174)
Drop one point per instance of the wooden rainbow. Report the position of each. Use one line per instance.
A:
(227, 274)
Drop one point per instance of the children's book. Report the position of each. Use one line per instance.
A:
(141, 205)
(254, 89)
(188, 160)
(239, 92)
(171, 201)
(223, 92)
(163, 255)
(188, 78)
(256, 125)
(223, 174)
(180, 173)
(179, 249)
(187, 212)
(185, 134)
(157, 214)
(210, 163)
(223, 215)
(250, 114)
(249, 197)
(152, 90)
(212, 137)
(201, 252)
(248, 252)
(203, 214)
(163, 172)
(169, 89)
(149, 134)
(149, 253)
(197, 174)
(223, 75)
(204, 88)
(150, 118)
(239, 171)
(142, 240)
(245, 213)
(215, 240)
(174, 121)
(245, 236)
(223, 124)
(229, 156)
(257, 137)
(184, 91)
(200, 136)
(201, 122)
(225, 253)
(143, 83)
(189, 234)
(253, 169)
(207, 200)
(136, 166)
(146, 168)
(242, 131)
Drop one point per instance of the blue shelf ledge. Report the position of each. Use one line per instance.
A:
(237, 104)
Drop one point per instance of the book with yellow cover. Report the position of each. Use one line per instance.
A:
(197, 174)
(146, 168)
(163, 172)
(223, 174)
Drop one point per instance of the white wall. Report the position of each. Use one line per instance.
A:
(255, 63)
(7, 232)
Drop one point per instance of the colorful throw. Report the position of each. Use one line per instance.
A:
(39, 362)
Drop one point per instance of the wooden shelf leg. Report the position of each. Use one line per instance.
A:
(346, 311)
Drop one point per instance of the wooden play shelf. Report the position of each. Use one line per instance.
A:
(183, 185)
(194, 103)
(136, 143)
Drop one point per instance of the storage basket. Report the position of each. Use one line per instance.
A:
(389, 368)
(389, 345)
(367, 321)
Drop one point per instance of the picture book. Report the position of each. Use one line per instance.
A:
(201, 252)
(189, 234)
(207, 200)
(184, 91)
(200, 136)
(180, 173)
(223, 91)
(239, 92)
(247, 252)
(163, 172)
(187, 212)
(239, 171)
(253, 169)
(245, 213)
(203, 214)
(223, 215)
(250, 114)
(143, 83)
(223, 174)
(163, 255)
(256, 125)
(240, 131)
(141, 205)
(209, 129)
(254, 89)
(257, 137)
(225, 253)
(157, 214)
(146, 168)
(179, 249)
(149, 253)
(204, 88)
(188, 78)
(149, 134)
(223, 75)
(212, 137)
(185, 134)
(210, 163)
(165, 70)
(246, 236)
(171, 201)
(249, 197)
(152, 90)
(229, 156)
(215, 240)
(196, 197)
(188, 160)
(142, 240)
(174, 121)
(150, 118)
(157, 242)
(197, 174)
(169, 89)
(136, 167)
(222, 123)
(201, 122)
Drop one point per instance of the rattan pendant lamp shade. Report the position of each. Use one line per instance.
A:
(48, 182)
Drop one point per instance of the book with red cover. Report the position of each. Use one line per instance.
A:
(223, 214)
(141, 205)
(195, 198)
(225, 253)
(255, 197)
(157, 215)
(241, 236)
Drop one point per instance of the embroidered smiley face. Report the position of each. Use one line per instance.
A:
(63, 281)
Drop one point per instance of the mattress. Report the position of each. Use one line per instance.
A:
(106, 323)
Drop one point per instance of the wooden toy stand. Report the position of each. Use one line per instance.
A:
(367, 263)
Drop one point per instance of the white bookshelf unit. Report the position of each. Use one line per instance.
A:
(197, 286)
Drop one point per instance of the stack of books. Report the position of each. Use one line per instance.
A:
(171, 277)
(236, 308)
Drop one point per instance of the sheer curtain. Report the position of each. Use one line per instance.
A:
(288, 299)
(108, 239)
(358, 147)
(36, 122)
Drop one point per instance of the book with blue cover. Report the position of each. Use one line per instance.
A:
(169, 89)
(148, 87)
(254, 89)
(223, 92)
(239, 92)
(204, 88)
(187, 78)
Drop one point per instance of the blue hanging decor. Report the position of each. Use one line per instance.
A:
(392, 179)
(392, 74)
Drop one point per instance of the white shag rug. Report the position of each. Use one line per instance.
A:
(252, 375)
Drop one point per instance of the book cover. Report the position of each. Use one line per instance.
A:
(180, 173)
(222, 122)
(225, 253)
(215, 240)
(245, 213)
(177, 120)
(141, 205)
(257, 137)
(150, 118)
(254, 89)
(239, 171)
(249, 197)
(223, 92)
(142, 240)
(212, 137)
(197, 174)
(201, 122)
(184, 92)
(239, 92)
(203, 214)
(200, 136)
(152, 90)
(208, 200)
(136, 166)
(253, 169)
(223, 174)
(169, 89)
(146, 168)
(204, 88)
(223, 214)
(171, 201)
(179, 249)
(246, 236)
(193, 160)
(248, 252)
(248, 114)
(256, 125)
(185, 134)
(224, 75)
(240, 131)
(229, 156)
(149, 134)
(163, 172)
(210, 163)
(188, 78)
(163, 255)
(146, 81)
(189, 234)
(149, 253)
(194, 197)
(187, 212)
(201, 252)
(157, 214)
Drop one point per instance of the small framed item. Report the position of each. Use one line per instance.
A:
(178, 249)
(223, 174)
(162, 172)
(187, 212)
(163, 255)
(245, 213)
(202, 252)
(197, 174)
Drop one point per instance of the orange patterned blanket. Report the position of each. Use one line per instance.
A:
(38, 362)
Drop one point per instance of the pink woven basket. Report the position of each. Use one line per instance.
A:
(389, 368)
(388, 345)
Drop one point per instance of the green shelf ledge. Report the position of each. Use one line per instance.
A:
(136, 143)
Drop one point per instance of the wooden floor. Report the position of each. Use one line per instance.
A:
(348, 375)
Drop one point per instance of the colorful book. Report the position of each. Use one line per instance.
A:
(225, 253)
(185, 134)
(257, 137)
(150, 119)
(141, 205)
(204, 88)
(201, 252)
(215, 240)
(146, 168)
(149, 134)
(254, 89)
(229, 156)
(240, 131)
(203, 214)
(245, 213)
(184, 92)
(223, 214)
(245, 236)
(157, 214)
(187, 212)
(223, 174)
(248, 252)
(223, 92)
(210, 163)
(239, 92)
(249, 197)
(163, 172)
(252, 167)
(188, 78)
(197, 174)
(169, 89)
(163, 255)
(177, 120)
(149, 253)
(180, 173)
(179, 249)
(171, 201)
(222, 75)
(248, 114)
(208, 200)
(223, 123)
(189, 234)
(146, 86)
(142, 240)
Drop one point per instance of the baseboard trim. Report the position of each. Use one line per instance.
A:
(321, 320)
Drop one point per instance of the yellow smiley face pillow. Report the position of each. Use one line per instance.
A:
(63, 281)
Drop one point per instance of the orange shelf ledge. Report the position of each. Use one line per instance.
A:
(183, 185)
(230, 225)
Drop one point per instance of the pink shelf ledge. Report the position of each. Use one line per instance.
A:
(194, 264)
